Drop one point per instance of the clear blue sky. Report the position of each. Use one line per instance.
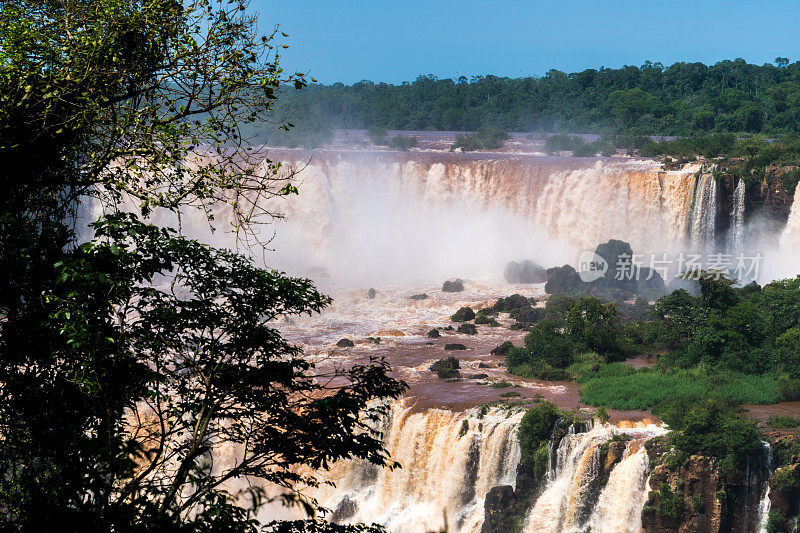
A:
(394, 41)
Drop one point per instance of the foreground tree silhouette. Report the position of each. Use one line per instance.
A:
(129, 361)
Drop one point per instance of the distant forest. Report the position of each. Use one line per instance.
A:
(682, 99)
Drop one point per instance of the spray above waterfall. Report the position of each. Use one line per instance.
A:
(373, 218)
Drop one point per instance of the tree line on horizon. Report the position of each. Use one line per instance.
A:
(678, 100)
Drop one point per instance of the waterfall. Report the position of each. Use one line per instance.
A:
(449, 460)
(736, 231)
(703, 214)
(619, 510)
(765, 503)
(361, 214)
(571, 503)
(790, 238)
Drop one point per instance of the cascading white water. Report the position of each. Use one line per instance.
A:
(618, 509)
(790, 238)
(765, 503)
(417, 215)
(703, 214)
(450, 460)
(736, 231)
(567, 504)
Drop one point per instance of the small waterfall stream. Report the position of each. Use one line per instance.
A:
(765, 503)
(790, 238)
(736, 231)
(703, 214)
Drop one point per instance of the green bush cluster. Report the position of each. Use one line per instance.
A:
(402, 142)
(580, 148)
(782, 421)
(463, 314)
(447, 369)
(483, 139)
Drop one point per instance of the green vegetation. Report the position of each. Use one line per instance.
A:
(502, 349)
(711, 428)
(463, 314)
(129, 352)
(402, 142)
(619, 386)
(447, 369)
(605, 146)
(546, 354)
(488, 321)
(483, 139)
(377, 135)
(782, 421)
(671, 504)
(776, 521)
(653, 99)
(467, 329)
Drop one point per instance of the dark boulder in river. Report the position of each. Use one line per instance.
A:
(422, 296)
(455, 346)
(462, 315)
(446, 368)
(456, 285)
(468, 329)
(562, 280)
(345, 343)
(434, 334)
(371, 294)
(502, 349)
(524, 272)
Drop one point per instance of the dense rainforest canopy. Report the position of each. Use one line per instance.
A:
(681, 99)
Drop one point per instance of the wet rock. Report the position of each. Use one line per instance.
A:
(371, 294)
(686, 497)
(456, 285)
(562, 280)
(509, 303)
(784, 494)
(449, 362)
(485, 365)
(502, 349)
(478, 376)
(498, 508)
(421, 296)
(527, 316)
(467, 329)
(524, 272)
(463, 314)
(455, 346)
(347, 508)
(488, 321)
(446, 368)
(434, 334)
(616, 450)
(345, 343)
